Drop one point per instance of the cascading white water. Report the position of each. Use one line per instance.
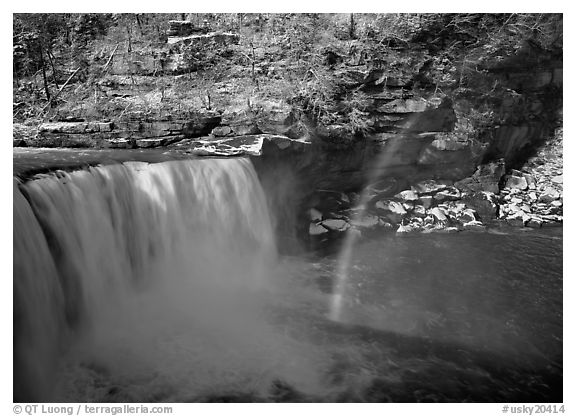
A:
(143, 269)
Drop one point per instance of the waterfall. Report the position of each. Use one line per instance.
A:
(107, 257)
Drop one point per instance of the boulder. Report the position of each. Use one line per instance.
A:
(314, 214)
(316, 229)
(518, 219)
(468, 215)
(365, 221)
(529, 180)
(474, 225)
(335, 225)
(486, 178)
(484, 203)
(448, 194)
(429, 187)
(558, 179)
(408, 195)
(221, 131)
(516, 182)
(408, 206)
(419, 211)
(534, 222)
(550, 194)
(427, 201)
(395, 210)
(438, 214)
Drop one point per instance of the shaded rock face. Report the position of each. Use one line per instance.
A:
(531, 113)
(487, 178)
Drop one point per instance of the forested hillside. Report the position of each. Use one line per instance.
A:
(315, 67)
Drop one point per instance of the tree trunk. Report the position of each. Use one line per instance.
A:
(352, 26)
(139, 23)
(129, 32)
(46, 89)
(54, 73)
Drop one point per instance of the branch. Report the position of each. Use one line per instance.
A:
(111, 56)
(60, 90)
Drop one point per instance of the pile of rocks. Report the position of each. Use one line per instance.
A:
(429, 206)
(533, 197)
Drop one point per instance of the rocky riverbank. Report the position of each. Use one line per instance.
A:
(491, 197)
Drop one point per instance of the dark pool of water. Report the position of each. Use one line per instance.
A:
(450, 317)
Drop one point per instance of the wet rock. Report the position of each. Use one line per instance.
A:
(427, 201)
(429, 187)
(474, 225)
(221, 131)
(484, 203)
(467, 216)
(448, 194)
(558, 179)
(392, 206)
(408, 206)
(366, 221)
(446, 230)
(518, 219)
(517, 182)
(408, 195)
(530, 181)
(316, 229)
(314, 214)
(384, 223)
(514, 208)
(551, 218)
(550, 194)
(534, 222)
(419, 211)
(404, 229)
(335, 225)
(438, 214)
